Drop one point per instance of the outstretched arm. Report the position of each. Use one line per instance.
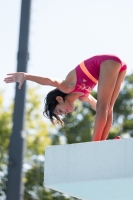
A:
(20, 77)
(91, 100)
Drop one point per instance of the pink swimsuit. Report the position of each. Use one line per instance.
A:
(88, 72)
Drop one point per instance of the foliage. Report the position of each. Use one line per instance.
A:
(5, 130)
(36, 128)
(37, 139)
(36, 190)
(123, 109)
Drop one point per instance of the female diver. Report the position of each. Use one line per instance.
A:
(108, 71)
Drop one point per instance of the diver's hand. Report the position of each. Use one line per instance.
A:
(15, 77)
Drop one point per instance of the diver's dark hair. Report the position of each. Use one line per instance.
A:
(50, 103)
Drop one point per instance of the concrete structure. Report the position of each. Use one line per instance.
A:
(92, 170)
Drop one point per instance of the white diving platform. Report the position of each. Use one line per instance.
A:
(92, 170)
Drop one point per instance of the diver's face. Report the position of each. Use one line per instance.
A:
(63, 107)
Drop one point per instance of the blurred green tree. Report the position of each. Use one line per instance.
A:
(123, 115)
(38, 138)
(5, 130)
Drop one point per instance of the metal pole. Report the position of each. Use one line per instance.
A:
(17, 139)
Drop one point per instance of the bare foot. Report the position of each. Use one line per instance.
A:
(117, 138)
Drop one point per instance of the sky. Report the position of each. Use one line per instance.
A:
(62, 34)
